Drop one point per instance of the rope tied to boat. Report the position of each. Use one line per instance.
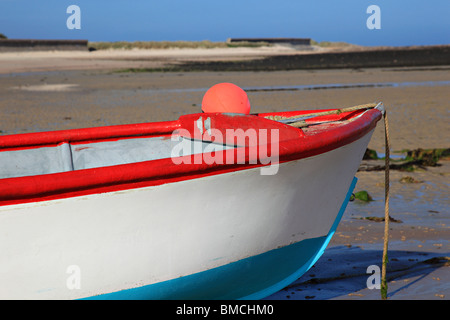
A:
(383, 288)
(299, 121)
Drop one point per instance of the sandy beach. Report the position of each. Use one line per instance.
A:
(41, 91)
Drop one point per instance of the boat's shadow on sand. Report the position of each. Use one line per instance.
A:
(342, 273)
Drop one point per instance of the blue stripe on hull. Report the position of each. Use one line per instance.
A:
(251, 278)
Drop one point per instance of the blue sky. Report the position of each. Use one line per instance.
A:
(403, 23)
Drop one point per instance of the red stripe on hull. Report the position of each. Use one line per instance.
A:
(294, 144)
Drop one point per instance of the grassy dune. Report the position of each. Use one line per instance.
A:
(205, 44)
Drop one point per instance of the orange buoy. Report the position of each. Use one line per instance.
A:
(226, 97)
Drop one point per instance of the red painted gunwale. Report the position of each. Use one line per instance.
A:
(293, 144)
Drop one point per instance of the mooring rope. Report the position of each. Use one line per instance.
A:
(299, 122)
(386, 208)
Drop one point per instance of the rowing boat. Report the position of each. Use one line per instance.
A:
(209, 206)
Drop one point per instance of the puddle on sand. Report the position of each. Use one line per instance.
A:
(315, 87)
(48, 87)
(349, 86)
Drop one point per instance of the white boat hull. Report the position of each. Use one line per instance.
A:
(109, 245)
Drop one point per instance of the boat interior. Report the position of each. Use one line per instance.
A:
(77, 156)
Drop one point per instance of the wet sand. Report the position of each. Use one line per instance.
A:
(42, 92)
(419, 244)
